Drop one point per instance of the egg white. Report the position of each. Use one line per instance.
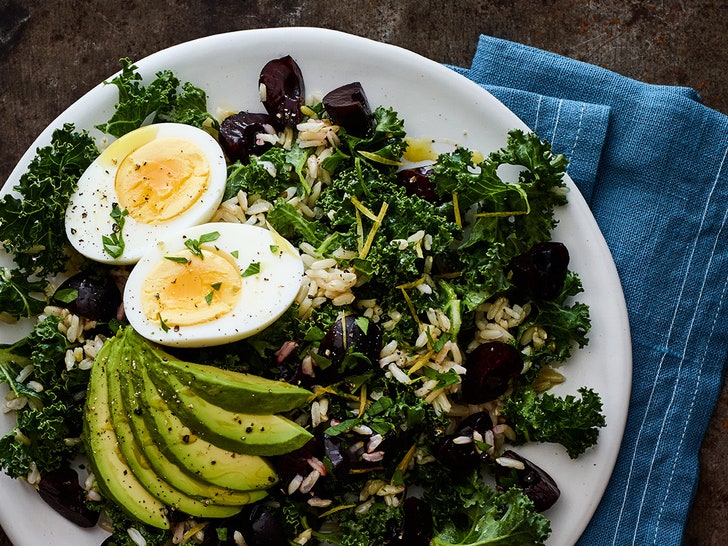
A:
(265, 296)
(88, 215)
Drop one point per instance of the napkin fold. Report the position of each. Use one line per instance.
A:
(652, 164)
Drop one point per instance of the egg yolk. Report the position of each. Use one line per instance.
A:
(161, 179)
(184, 289)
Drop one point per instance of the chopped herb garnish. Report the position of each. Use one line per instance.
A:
(195, 245)
(162, 323)
(66, 295)
(114, 243)
(252, 269)
(177, 259)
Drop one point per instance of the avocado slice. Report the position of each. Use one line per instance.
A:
(139, 463)
(115, 478)
(197, 456)
(265, 435)
(233, 391)
(168, 470)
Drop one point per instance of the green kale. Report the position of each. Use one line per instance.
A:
(482, 273)
(399, 410)
(383, 147)
(491, 518)
(569, 421)
(121, 523)
(289, 223)
(566, 325)
(15, 294)
(390, 260)
(191, 108)
(255, 178)
(52, 416)
(515, 213)
(160, 100)
(32, 227)
(367, 529)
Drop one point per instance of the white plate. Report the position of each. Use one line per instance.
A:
(436, 103)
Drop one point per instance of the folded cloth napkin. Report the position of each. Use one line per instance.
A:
(651, 162)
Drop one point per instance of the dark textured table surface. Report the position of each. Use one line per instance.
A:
(53, 51)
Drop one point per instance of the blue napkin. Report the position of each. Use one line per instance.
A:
(652, 163)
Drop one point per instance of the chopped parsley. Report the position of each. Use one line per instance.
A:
(114, 243)
(195, 245)
(252, 269)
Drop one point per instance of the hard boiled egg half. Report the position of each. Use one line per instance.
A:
(153, 180)
(212, 284)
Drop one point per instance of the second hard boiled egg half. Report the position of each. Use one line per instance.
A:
(211, 284)
(151, 181)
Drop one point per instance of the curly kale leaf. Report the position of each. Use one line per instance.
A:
(515, 213)
(383, 147)
(120, 529)
(160, 100)
(52, 415)
(494, 519)
(32, 226)
(190, 108)
(569, 421)
(469, 512)
(390, 260)
(482, 274)
(15, 294)
(366, 529)
(268, 175)
(566, 325)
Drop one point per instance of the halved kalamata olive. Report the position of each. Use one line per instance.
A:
(282, 91)
(348, 337)
(335, 452)
(489, 369)
(540, 271)
(261, 528)
(90, 294)
(255, 526)
(417, 529)
(459, 450)
(60, 489)
(298, 465)
(348, 107)
(239, 135)
(537, 485)
(417, 182)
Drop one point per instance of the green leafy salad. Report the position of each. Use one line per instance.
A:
(434, 311)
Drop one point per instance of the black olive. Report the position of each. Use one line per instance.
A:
(536, 483)
(417, 181)
(540, 272)
(90, 294)
(337, 455)
(296, 463)
(463, 457)
(417, 528)
(256, 524)
(348, 107)
(261, 528)
(349, 337)
(60, 490)
(489, 369)
(239, 132)
(284, 91)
